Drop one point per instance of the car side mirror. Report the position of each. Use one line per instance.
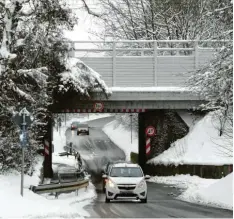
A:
(104, 176)
(147, 177)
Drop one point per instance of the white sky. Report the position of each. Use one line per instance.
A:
(86, 23)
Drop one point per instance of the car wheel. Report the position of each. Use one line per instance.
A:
(77, 133)
(144, 200)
(107, 200)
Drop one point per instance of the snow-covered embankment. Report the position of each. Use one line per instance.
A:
(122, 137)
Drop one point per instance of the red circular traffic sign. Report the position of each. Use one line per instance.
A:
(98, 106)
(150, 131)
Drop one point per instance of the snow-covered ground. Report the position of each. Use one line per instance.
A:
(202, 145)
(31, 205)
(189, 118)
(213, 192)
(122, 137)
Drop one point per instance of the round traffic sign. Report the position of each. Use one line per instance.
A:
(98, 106)
(150, 131)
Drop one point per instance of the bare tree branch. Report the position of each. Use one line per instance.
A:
(89, 10)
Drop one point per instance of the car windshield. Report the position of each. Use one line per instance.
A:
(83, 125)
(75, 123)
(126, 172)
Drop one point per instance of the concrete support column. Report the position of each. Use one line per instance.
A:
(141, 139)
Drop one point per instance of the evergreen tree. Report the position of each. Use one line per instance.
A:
(33, 58)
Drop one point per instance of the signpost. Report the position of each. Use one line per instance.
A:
(22, 119)
(98, 106)
(150, 131)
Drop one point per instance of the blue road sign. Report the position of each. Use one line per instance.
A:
(23, 139)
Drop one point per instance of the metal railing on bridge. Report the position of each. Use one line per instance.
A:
(145, 63)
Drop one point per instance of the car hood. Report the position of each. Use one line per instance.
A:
(126, 180)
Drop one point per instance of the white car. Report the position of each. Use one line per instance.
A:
(126, 181)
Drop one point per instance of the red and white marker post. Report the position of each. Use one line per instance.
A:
(46, 148)
(148, 146)
(149, 132)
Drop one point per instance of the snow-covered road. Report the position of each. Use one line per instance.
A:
(162, 203)
(96, 148)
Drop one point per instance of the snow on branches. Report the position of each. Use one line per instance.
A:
(79, 78)
(214, 82)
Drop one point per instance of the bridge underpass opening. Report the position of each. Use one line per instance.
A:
(96, 149)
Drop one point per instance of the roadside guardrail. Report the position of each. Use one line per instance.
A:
(60, 187)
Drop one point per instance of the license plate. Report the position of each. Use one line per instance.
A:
(125, 192)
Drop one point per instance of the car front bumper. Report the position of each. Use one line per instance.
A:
(82, 131)
(116, 193)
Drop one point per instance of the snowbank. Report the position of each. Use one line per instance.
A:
(59, 142)
(13, 205)
(183, 181)
(122, 137)
(202, 145)
(45, 206)
(213, 192)
(189, 118)
(218, 194)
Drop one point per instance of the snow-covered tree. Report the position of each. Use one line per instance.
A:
(214, 81)
(33, 56)
(162, 20)
(129, 121)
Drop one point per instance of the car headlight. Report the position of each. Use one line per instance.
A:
(111, 184)
(141, 184)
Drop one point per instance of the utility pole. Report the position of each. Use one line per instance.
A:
(65, 119)
(59, 124)
(131, 127)
(22, 165)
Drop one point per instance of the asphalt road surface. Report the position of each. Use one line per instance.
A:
(96, 149)
(162, 203)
